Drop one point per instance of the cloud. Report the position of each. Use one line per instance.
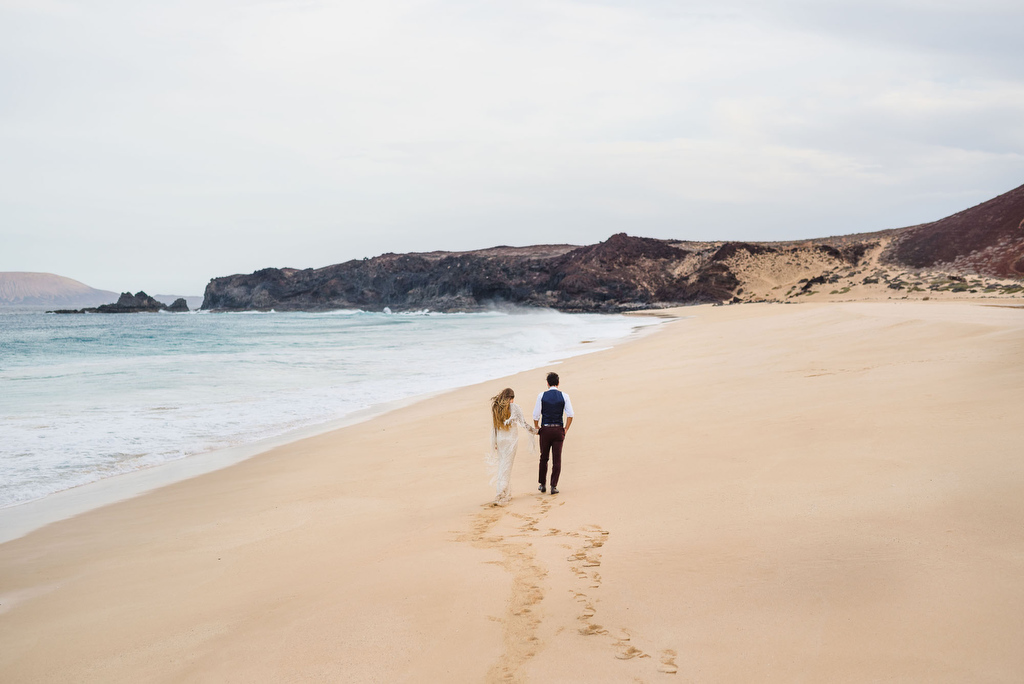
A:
(280, 133)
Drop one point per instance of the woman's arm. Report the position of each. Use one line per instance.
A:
(518, 418)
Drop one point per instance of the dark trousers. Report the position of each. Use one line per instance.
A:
(551, 439)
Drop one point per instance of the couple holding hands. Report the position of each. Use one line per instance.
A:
(547, 423)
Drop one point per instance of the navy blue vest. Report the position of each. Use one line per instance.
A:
(552, 404)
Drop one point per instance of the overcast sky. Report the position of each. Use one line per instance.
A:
(154, 145)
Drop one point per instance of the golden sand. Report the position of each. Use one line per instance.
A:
(755, 493)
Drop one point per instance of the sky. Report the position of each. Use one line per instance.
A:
(156, 145)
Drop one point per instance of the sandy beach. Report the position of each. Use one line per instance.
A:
(766, 492)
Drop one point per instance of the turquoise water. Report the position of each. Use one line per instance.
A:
(89, 396)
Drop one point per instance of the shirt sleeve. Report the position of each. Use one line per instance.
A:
(536, 408)
(568, 405)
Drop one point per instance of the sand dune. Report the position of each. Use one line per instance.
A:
(826, 492)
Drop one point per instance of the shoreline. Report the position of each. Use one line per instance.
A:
(25, 517)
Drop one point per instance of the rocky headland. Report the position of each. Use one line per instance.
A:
(979, 251)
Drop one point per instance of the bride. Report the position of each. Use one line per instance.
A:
(506, 415)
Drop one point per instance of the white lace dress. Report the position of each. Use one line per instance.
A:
(503, 453)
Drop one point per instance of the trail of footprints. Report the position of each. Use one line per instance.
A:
(518, 558)
(521, 620)
(583, 563)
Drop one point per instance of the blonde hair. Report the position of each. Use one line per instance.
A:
(500, 410)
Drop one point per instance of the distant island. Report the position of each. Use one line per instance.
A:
(976, 252)
(139, 302)
(33, 291)
(29, 290)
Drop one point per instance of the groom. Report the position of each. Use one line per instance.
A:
(547, 417)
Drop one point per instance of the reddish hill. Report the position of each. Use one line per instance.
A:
(986, 239)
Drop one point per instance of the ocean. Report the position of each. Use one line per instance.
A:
(87, 397)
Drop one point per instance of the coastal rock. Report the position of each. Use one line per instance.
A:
(140, 302)
(179, 305)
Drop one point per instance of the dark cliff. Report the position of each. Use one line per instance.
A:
(626, 273)
(620, 274)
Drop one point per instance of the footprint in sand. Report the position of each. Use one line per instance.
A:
(627, 652)
(668, 662)
(591, 629)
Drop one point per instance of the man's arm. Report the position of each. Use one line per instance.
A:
(568, 410)
(536, 412)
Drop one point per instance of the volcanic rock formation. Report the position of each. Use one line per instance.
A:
(139, 302)
(179, 305)
(620, 274)
(627, 273)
